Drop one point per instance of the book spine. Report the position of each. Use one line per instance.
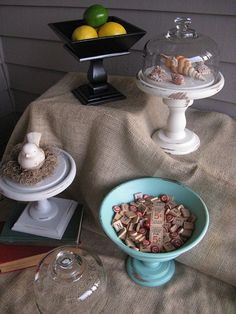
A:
(21, 263)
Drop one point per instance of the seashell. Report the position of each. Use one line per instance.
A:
(182, 65)
(158, 74)
(177, 78)
(202, 68)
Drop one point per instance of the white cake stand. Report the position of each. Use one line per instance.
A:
(45, 215)
(175, 138)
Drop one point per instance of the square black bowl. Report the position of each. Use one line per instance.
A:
(98, 47)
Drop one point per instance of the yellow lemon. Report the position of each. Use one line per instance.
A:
(111, 29)
(84, 32)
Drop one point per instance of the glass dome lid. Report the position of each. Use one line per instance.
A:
(181, 58)
(70, 280)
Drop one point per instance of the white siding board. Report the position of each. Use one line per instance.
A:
(51, 55)
(37, 80)
(32, 80)
(210, 104)
(38, 53)
(226, 7)
(36, 20)
(36, 59)
(228, 93)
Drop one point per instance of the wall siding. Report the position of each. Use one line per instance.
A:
(22, 99)
(226, 7)
(6, 99)
(32, 22)
(36, 58)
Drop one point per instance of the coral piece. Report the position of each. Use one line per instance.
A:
(158, 74)
(177, 78)
(202, 68)
(182, 65)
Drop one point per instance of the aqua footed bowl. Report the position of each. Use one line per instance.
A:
(153, 269)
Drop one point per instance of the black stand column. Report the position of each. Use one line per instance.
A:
(97, 91)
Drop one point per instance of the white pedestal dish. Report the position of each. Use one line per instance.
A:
(175, 138)
(45, 215)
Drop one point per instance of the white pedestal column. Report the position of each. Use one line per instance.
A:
(175, 138)
(42, 210)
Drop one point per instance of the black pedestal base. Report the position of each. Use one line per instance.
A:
(87, 96)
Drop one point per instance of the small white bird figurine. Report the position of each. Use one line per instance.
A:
(31, 156)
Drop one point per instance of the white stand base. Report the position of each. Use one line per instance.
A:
(189, 143)
(45, 215)
(174, 138)
(44, 226)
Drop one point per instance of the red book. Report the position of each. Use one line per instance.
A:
(20, 250)
(14, 252)
(16, 257)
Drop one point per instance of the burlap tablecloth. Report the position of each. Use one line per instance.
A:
(112, 143)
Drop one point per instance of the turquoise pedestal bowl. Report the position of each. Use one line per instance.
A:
(153, 269)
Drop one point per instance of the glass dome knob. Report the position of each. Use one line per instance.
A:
(67, 266)
(182, 29)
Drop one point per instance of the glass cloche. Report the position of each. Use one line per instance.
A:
(70, 280)
(181, 58)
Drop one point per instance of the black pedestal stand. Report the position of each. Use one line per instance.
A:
(98, 90)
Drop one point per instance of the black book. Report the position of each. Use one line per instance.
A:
(70, 236)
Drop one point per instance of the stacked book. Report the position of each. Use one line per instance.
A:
(20, 250)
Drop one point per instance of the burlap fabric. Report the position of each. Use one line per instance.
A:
(189, 291)
(112, 143)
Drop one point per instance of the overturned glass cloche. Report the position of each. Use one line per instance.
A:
(181, 59)
(70, 280)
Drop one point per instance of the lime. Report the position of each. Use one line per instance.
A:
(96, 15)
(84, 32)
(111, 29)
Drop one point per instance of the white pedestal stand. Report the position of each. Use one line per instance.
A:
(45, 215)
(175, 138)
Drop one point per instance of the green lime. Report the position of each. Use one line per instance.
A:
(96, 15)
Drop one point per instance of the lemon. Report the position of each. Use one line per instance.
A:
(111, 29)
(84, 32)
